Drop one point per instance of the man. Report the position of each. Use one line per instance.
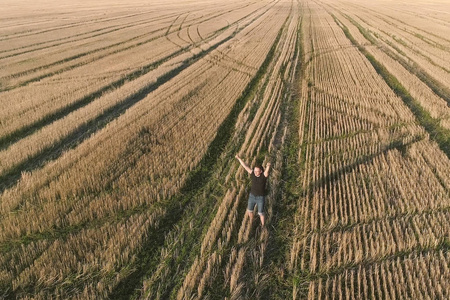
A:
(258, 188)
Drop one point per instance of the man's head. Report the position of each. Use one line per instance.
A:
(258, 170)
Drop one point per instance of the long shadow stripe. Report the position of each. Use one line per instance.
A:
(83, 132)
(80, 55)
(25, 131)
(197, 181)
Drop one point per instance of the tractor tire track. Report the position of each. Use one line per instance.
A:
(27, 130)
(195, 21)
(194, 185)
(212, 153)
(70, 25)
(80, 55)
(83, 132)
(95, 33)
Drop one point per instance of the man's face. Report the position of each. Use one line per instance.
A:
(257, 171)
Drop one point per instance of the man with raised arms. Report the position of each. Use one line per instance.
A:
(258, 188)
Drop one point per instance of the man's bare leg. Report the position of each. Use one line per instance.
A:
(250, 214)
(262, 219)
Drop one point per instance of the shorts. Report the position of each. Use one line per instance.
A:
(256, 200)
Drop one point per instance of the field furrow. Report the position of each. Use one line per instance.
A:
(168, 126)
(364, 176)
(123, 125)
(30, 105)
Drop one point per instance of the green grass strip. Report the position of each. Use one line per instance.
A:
(439, 89)
(437, 133)
(197, 182)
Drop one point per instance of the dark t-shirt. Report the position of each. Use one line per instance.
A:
(258, 184)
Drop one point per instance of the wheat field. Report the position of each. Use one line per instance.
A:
(120, 122)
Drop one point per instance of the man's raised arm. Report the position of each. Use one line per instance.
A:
(266, 171)
(247, 168)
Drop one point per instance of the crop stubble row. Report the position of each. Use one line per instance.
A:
(374, 189)
(374, 201)
(135, 143)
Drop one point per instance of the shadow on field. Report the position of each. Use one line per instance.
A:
(11, 177)
(335, 176)
(195, 184)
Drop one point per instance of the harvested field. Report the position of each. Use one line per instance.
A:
(120, 122)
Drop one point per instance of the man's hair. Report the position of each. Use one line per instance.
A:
(260, 167)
